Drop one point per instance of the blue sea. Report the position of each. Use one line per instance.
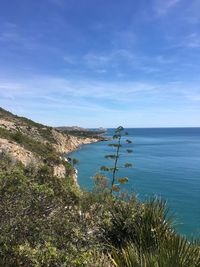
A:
(166, 163)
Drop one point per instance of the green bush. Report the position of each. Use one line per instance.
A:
(47, 221)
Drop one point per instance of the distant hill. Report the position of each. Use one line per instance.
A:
(82, 132)
(71, 128)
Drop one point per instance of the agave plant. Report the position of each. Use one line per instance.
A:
(175, 252)
(146, 225)
(153, 225)
(99, 259)
(117, 182)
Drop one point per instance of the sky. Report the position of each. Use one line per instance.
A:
(101, 63)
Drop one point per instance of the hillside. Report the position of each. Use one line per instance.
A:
(33, 143)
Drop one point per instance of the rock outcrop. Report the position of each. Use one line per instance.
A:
(67, 143)
(36, 133)
(17, 152)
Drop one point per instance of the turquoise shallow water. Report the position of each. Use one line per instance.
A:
(166, 163)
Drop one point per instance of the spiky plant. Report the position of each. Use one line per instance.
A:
(175, 252)
(153, 225)
(146, 225)
(99, 259)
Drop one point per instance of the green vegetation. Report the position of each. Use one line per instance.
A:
(75, 161)
(8, 115)
(5, 114)
(175, 251)
(29, 122)
(39, 130)
(46, 133)
(84, 133)
(119, 133)
(47, 221)
(45, 151)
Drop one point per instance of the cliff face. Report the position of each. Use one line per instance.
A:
(30, 143)
(17, 152)
(67, 143)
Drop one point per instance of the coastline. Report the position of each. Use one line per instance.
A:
(78, 142)
(87, 141)
(67, 157)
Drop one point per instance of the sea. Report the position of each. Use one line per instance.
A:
(166, 164)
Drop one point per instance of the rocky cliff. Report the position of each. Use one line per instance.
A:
(33, 143)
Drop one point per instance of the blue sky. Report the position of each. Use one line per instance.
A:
(101, 63)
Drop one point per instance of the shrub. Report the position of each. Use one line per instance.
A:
(176, 251)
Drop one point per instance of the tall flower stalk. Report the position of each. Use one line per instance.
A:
(115, 182)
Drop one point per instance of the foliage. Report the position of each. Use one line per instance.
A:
(100, 182)
(75, 161)
(100, 259)
(47, 221)
(176, 251)
(29, 125)
(46, 151)
(146, 225)
(83, 133)
(118, 135)
(7, 162)
(44, 222)
(38, 225)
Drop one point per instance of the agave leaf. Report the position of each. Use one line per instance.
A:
(114, 145)
(176, 251)
(116, 136)
(104, 168)
(123, 180)
(111, 156)
(115, 188)
(128, 165)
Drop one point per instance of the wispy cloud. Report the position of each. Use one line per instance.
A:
(118, 60)
(164, 6)
(191, 14)
(11, 89)
(70, 60)
(12, 34)
(103, 62)
(23, 39)
(125, 39)
(112, 57)
(9, 33)
(79, 95)
(191, 40)
(56, 88)
(73, 99)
